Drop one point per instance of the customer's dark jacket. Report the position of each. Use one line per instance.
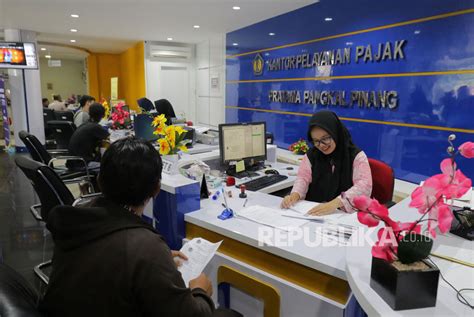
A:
(108, 262)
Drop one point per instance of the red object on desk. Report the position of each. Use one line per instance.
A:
(242, 191)
(230, 181)
(189, 123)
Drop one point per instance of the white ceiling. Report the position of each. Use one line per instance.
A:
(114, 25)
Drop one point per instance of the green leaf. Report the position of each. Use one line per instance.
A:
(414, 247)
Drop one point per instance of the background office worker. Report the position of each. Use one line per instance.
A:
(108, 261)
(57, 104)
(334, 171)
(82, 116)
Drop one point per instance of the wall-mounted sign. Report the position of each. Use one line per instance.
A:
(54, 62)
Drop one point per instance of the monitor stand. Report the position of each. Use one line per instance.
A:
(249, 170)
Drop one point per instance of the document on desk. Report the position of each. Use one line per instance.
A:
(303, 206)
(271, 217)
(199, 252)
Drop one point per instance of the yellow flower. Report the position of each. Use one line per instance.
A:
(180, 130)
(164, 146)
(172, 142)
(171, 133)
(159, 120)
(160, 129)
(183, 148)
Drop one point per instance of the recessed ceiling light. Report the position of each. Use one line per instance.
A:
(74, 16)
(271, 34)
(43, 49)
(236, 8)
(328, 19)
(417, 32)
(47, 56)
(235, 44)
(349, 43)
(73, 30)
(169, 38)
(73, 41)
(196, 26)
(267, 54)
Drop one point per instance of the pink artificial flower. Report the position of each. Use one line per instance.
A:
(121, 121)
(387, 245)
(405, 227)
(425, 196)
(467, 149)
(453, 183)
(440, 217)
(370, 211)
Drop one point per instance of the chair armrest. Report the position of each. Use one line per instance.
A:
(85, 197)
(72, 158)
(58, 151)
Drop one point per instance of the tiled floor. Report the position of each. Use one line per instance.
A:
(24, 242)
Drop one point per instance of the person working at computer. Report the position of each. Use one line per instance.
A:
(108, 261)
(82, 116)
(87, 139)
(334, 171)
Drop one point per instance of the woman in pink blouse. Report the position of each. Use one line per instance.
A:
(334, 171)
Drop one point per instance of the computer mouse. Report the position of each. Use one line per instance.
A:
(271, 171)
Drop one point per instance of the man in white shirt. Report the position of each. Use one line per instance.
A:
(57, 104)
(82, 116)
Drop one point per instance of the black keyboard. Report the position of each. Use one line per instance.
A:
(262, 182)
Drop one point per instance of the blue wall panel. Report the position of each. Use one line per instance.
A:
(434, 82)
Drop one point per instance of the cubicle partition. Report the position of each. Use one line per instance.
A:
(400, 75)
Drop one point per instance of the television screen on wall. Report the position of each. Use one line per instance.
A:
(18, 55)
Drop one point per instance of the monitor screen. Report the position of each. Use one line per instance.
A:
(143, 128)
(18, 55)
(242, 141)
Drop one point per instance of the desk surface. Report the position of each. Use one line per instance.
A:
(327, 259)
(358, 266)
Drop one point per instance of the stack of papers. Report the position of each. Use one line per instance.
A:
(467, 200)
(271, 217)
(199, 252)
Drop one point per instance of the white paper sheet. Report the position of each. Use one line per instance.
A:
(271, 217)
(199, 252)
(303, 206)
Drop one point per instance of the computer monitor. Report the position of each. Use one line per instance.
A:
(242, 141)
(143, 128)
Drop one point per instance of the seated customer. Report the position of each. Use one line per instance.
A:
(57, 104)
(109, 262)
(82, 116)
(86, 140)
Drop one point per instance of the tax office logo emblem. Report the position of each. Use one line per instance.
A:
(257, 65)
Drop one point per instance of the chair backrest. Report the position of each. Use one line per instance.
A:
(64, 115)
(163, 106)
(62, 132)
(17, 297)
(48, 115)
(145, 104)
(383, 181)
(37, 150)
(50, 189)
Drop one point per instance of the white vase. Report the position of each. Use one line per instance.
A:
(172, 158)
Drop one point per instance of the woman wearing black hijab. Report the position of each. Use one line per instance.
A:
(334, 171)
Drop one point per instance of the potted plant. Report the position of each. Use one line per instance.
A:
(401, 273)
(120, 118)
(300, 147)
(171, 140)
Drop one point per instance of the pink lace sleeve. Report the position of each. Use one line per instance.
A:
(362, 180)
(303, 179)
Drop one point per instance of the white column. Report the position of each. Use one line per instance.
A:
(25, 86)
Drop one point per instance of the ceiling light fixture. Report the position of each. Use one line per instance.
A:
(417, 32)
(235, 44)
(349, 43)
(47, 56)
(74, 16)
(43, 49)
(196, 26)
(73, 30)
(271, 34)
(235, 8)
(328, 19)
(73, 41)
(169, 38)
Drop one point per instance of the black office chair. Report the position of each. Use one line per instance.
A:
(39, 153)
(64, 115)
(62, 132)
(17, 297)
(163, 106)
(145, 104)
(48, 115)
(51, 191)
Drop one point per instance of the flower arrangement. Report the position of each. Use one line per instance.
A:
(106, 106)
(120, 118)
(172, 137)
(412, 241)
(299, 147)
